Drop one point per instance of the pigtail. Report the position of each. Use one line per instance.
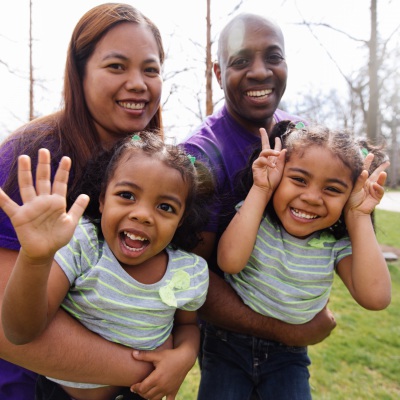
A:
(380, 156)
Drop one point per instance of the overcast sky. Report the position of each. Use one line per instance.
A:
(182, 25)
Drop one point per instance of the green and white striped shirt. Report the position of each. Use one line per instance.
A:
(108, 301)
(287, 278)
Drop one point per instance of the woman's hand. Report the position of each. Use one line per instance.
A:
(42, 224)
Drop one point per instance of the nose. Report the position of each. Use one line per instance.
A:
(141, 214)
(312, 196)
(135, 81)
(259, 69)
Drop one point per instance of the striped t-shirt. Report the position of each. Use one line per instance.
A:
(108, 301)
(287, 278)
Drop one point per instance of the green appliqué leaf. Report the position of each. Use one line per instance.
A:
(325, 237)
(179, 281)
(167, 296)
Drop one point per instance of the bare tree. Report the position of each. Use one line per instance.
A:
(31, 79)
(366, 88)
(373, 101)
(209, 64)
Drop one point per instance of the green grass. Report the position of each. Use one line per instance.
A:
(387, 226)
(360, 360)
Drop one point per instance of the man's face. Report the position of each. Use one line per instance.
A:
(252, 72)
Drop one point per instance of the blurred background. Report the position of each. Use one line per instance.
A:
(343, 58)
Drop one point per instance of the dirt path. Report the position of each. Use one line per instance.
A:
(390, 249)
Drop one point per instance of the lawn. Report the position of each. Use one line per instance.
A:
(361, 358)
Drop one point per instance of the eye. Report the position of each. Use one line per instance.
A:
(127, 196)
(116, 67)
(333, 189)
(298, 180)
(152, 70)
(166, 207)
(274, 59)
(239, 63)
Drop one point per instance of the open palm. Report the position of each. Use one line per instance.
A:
(42, 223)
(368, 190)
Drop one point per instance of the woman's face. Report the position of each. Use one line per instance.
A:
(122, 83)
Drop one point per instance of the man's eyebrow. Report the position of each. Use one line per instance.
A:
(246, 50)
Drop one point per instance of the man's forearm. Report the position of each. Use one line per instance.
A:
(224, 308)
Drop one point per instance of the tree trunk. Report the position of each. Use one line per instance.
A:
(31, 80)
(373, 104)
(209, 101)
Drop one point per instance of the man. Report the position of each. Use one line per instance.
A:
(252, 71)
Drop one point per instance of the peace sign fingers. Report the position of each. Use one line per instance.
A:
(266, 151)
(268, 167)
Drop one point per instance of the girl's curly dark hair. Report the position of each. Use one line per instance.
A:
(298, 137)
(198, 178)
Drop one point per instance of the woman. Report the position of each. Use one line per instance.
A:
(112, 88)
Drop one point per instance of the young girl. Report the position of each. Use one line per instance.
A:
(314, 200)
(129, 278)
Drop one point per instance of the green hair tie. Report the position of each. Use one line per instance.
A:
(364, 152)
(135, 138)
(300, 125)
(192, 159)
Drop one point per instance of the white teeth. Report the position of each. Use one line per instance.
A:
(134, 237)
(259, 93)
(300, 214)
(132, 249)
(132, 106)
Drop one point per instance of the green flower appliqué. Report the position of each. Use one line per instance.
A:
(325, 237)
(179, 281)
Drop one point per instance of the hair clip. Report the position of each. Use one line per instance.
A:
(300, 125)
(192, 159)
(135, 138)
(364, 152)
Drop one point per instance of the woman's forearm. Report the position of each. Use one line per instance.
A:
(67, 350)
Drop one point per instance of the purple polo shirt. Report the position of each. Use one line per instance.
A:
(225, 146)
(16, 383)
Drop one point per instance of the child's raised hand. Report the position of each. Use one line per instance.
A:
(368, 190)
(42, 224)
(268, 167)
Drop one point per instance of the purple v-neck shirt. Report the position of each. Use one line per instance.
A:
(225, 146)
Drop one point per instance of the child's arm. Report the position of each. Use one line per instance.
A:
(365, 273)
(42, 226)
(172, 366)
(237, 241)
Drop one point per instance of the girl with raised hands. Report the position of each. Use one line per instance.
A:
(306, 215)
(127, 276)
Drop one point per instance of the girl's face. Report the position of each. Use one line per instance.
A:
(314, 189)
(122, 82)
(142, 207)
